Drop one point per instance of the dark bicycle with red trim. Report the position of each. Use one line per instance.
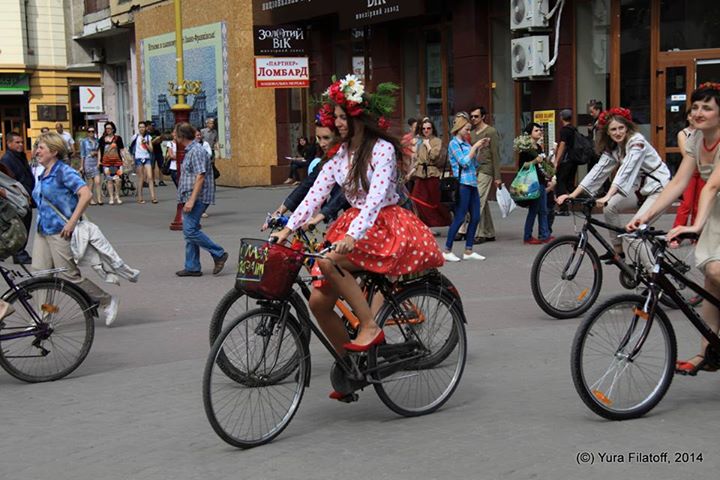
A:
(259, 366)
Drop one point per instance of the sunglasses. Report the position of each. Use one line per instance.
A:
(474, 116)
(427, 128)
(91, 131)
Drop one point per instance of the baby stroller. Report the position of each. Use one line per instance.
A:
(127, 186)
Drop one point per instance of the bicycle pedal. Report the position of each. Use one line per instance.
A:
(349, 398)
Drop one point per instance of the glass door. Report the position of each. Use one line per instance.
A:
(675, 85)
(12, 119)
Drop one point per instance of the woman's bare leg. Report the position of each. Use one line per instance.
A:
(346, 286)
(710, 313)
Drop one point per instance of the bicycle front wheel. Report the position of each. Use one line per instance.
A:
(612, 384)
(253, 410)
(420, 366)
(61, 341)
(566, 281)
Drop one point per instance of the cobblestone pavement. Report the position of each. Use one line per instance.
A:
(133, 410)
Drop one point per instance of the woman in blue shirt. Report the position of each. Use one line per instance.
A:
(90, 170)
(61, 197)
(464, 162)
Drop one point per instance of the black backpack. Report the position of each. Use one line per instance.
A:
(582, 151)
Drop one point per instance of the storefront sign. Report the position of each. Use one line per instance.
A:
(356, 13)
(279, 41)
(281, 72)
(91, 99)
(352, 13)
(11, 82)
(546, 118)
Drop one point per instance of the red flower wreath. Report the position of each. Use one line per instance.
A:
(709, 86)
(326, 116)
(605, 116)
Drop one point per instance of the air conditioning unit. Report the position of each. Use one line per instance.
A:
(528, 14)
(97, 55)
(530, 56)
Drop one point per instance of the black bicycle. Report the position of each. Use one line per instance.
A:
(566, 276)
(51, 330)
(259, 366)
(624, 352)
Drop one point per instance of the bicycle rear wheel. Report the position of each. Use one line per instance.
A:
(422, 362)
(253, 411)
(60, 343)
(557, 295)
(611, 384)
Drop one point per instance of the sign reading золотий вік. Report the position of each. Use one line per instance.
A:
(280, 41)
(282, 72)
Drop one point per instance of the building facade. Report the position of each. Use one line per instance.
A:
(451, 55)
(41, 69)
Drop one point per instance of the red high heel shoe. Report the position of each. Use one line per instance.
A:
(354, 347)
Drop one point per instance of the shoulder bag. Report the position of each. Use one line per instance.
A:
(449, 184)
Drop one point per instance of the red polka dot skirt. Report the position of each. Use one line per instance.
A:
(397, 244)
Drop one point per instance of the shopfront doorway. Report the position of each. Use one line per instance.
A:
(13, 118)
(678, 74)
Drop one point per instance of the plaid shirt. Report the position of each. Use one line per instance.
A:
(459, 154)
(196, 161)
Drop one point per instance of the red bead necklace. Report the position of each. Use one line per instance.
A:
(711, 148)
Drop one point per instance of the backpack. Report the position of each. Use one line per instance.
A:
(13, 235)
(582, 151)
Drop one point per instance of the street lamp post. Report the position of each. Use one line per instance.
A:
(181, 110)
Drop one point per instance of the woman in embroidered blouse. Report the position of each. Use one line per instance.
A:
(375, 234)
(702, 154)
(464, 162)
(640, 171)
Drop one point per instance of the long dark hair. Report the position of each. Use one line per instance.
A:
(357, 176)
(606, 144)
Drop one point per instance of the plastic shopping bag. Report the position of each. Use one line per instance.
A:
(505, 201)
(526, 185)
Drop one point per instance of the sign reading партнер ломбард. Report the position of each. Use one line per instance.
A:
(282, 72)
(666, 457)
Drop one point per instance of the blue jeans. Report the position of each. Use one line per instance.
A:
(537, 208)
(469, 202)
(195, 238)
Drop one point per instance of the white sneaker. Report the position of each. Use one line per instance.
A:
(111, 311)
(473, 256)
(111, 202)
(450, 257)
(118, 201)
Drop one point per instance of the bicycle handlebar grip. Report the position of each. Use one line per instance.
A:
(273, 239)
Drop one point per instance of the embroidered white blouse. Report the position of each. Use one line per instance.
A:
(382, 176)
(641, 160)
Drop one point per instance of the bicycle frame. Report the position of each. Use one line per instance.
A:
(40, 327)
(659, 281)
(589, 227)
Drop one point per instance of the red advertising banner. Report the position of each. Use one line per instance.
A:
(282, 72)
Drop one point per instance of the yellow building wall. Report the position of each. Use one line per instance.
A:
(252, 111)
(52, 87)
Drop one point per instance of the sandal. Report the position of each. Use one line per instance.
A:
(154, 200)
(690, 369)
(141, 201)
(93, 202)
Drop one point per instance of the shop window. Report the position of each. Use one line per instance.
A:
(689, 24)
(503, 86)
(411, 77)
(635, 61)
(592, 56)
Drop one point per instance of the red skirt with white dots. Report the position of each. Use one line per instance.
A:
(397, 244)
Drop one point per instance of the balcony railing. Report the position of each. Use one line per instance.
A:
(92, 6)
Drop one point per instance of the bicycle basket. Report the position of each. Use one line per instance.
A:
(267, 270)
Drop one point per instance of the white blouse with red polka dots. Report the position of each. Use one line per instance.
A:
(382, 176)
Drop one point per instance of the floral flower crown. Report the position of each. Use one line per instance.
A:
(605, 116)
(349, 93)
(709, 86)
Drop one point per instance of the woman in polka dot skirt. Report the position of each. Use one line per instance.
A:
(374, 235)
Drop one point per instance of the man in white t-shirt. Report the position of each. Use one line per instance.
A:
(67, 138)
(142, 151)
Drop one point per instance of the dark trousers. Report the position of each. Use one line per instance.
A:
(27, 221)
(296, 165)
(566, 172)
